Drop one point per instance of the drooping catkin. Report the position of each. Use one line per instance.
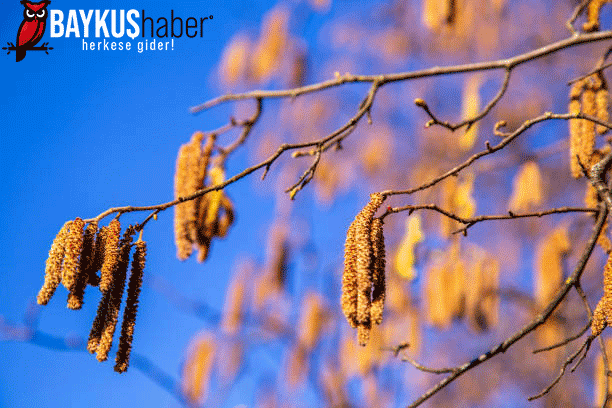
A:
(111, 255)
(98, 324)
(602, 103)
(73, 245)
(527, 188)
(359, 265)
(197, 368)
(589, 107)
(593, 10)
(602, 316)
(233, 309)
(122, 359)
(378, 277)
(116, 294)
(98, 261)
(311, 321)
(575, 129)
(600, 377)
(187, 180)
(75, 297)
(53, 269)
(349, 278)
(549, 264)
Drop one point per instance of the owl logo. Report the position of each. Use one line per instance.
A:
(31, 30)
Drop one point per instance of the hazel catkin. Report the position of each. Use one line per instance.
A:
(361, 263)
(602, 316)
(73, 246)
(75, 297)
(131, 308)
(575, 129)
(53, 269)
(116, 295)
(111, 255)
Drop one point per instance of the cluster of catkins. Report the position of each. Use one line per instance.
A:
(198, 221)
(589, 96)
(363, 280)
(75, 258)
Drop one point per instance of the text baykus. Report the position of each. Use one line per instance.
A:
(118, 23)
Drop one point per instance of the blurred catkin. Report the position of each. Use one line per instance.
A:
(187, 180)
(122, 359)
(53, 269)
(111, 255)
(549, 264)
(527, 192)
(593, 10)
(233, 308)
(311, 321)
(575, 129)
(197, 368)
(73, 246)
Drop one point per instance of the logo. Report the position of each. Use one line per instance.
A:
(31, 30)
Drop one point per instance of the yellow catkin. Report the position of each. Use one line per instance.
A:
(575, 129)
(122, 359)
(482, 300)
(378, 276)
(364, 266)
(549, 264)
(86, 260)
(593, 9)
(589, 107)
(235, 59)
(111, 255)
(98, 324)
(233, 309)
(471, 106)
(600, 376)
(457, 198)
(197, 368)
(602, 103)
(98, 261)
(435, 13)
(404, 259)
(311, 321)
(602, 316)
(349, 278)
(436, 302)
(116, 294)
(187, 180)
(73, 247)
(53, 268)
(359, 265)
(527, 188)
(268, 52)
(217, 176)
(296, 365)
(227, 218)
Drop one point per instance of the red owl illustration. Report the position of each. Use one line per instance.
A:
(32, 27)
